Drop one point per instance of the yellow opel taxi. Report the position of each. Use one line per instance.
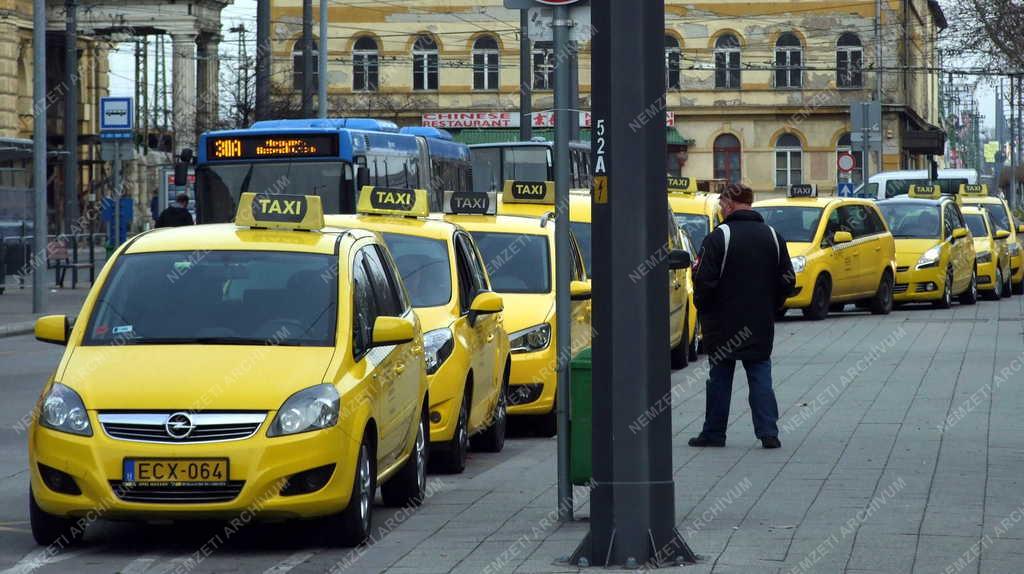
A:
(991, 251)
(695, 212)
(272, 364)
(841, 250)
(518, 253)
(1000, 215)
(934, 252)
(467, 352)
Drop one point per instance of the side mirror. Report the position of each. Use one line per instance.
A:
(485, 303)
(580, 290)
(1002, 234)
(181, 168)
(678, 259)
(960, 233)
(54, 329)
(841, 237)
(392, 331)
(362, 177)
(1020, 228)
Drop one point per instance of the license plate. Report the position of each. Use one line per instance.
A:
(175, 471)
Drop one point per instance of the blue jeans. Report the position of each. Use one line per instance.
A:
(763, 408)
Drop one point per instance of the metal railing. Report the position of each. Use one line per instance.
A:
(64, 253)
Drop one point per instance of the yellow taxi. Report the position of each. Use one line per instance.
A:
(934, 252)
(1000, 216)
(467, 352)
(991, 251)
(697, 213)
(273, 364)
(519, 254)
(841, 249)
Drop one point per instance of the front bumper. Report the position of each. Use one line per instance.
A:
(987, 276)
(537, 369)
(261, 465)
(446, 388)
(918, 284)
(1017, 268)
(803, 291)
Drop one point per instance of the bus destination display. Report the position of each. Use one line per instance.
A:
(272, 146)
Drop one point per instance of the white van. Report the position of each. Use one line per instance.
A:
(892, 183)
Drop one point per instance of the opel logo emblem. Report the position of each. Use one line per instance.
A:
(179, 426)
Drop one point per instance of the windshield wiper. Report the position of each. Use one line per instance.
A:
(197, 341)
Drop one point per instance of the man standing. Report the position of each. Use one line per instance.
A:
(743, 277)
(176, 215)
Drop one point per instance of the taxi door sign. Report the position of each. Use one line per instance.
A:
(803, 190)
(529, 192)
(925, 191)
(681, 185)
(470, 203)
(279, 211)
(976, 189)
(393, 201)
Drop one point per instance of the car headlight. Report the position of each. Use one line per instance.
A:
(530, 340)
(310, 409)
(930, 257)
(984, 257)
(799, 262)
(1014, 249)
(437, 347)
(63, 410)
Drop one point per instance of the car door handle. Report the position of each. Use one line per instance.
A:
(677, 285)
(400, 368)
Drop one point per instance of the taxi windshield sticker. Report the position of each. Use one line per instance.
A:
(393, 201)
(529, 192)
(470, 203)
(681, 185)
(122, 329)
(280, 211)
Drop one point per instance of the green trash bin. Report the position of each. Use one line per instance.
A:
(581, 416)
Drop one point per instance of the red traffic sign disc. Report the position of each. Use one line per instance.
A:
(846, 162)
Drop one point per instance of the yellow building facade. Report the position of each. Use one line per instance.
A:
(758, 91)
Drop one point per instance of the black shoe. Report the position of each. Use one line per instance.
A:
(771, 442)
(702, 440)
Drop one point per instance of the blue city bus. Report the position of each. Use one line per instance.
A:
(331, 158)
(493, 163)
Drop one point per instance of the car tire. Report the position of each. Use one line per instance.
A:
(881, 303)
(49, 528)
(409, 486)
(351, 527)
(493, 438)
(820, 300)
(694, 349)
(970, 296)
(996, 293)
(1018, 288)
(947, 292)
(450, 458)
(1007, 285)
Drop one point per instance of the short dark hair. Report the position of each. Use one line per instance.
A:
(181, 198)
(739, 193)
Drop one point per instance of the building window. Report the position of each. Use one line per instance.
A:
(485, 63)
(727, 158)
(788, 62)
(297, 64)
(424, 63)
(673, 64)
(543, 66)
(849, 61)
(727, 62)
(846, 146)
(365, 65)
(788, 161)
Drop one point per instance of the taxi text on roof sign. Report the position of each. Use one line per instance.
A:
(925, 191)
(278, 211)
(529, 192)
(974, 189)
(803, 190)
(470, 203)
(393, 201)
(682, 185)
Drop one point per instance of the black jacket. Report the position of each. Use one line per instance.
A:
(174, 216)
(737, 305)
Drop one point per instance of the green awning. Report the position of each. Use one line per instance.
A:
(672, 137)
(475, 136)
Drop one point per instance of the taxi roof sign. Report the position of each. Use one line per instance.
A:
(517, 191)
(925, 191)
(802, 190)
(393, 201)
(686, 185)
(470, 203)
(279, 211)
(974, 189)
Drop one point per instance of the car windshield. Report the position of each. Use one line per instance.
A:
(912, 221)
(795, 224)
(217, 297)
(516, 262)
(425, 268)
(976, 223)
(997, 215)
(696, 226)
(583, 237)
(218, 187)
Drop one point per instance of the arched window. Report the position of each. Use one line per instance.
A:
(365, 65)
(424, 63)
(845, 146)
(727, 158)
(788, 62)
(849, 61)
(297, 64)
(673, 64)
(485, 63)
(727, 62)
(543, 66)
(788, 161)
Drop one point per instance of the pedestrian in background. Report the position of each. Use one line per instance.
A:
(743, 276)
(154, 206)
(176, 215)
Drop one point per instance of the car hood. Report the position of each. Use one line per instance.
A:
(915, 247)
(193, 377)
(797, 248)
(524, 310)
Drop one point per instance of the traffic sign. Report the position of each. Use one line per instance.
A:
(846, 189)
(846, 162)
(116, 114)
(541, 27)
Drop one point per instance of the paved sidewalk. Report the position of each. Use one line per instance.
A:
(16, 316)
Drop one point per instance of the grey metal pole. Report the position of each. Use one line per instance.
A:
(307, 58)
(321, 110)
(71, 123)
(39, 154)
(574, 91)
(117, 194)
(263, 56)
(1000, 135)
(1014, 137)
(876, 149)
(563, 303)
(525, 79)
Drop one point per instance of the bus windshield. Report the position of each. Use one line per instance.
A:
(493, 165)
(219, 186)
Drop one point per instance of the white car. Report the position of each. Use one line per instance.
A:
(892, 183)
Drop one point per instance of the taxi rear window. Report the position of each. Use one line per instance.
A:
(516, 262)
(217, 297)
(912, 221)
(796, 224)
(424, 266)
